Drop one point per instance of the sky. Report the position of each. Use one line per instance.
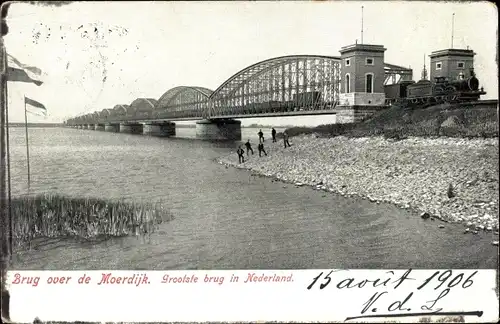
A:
(95, 55)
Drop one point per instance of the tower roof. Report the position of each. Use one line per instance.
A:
(362, 48)
(453, 52)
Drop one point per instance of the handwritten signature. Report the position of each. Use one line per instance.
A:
(439, 280)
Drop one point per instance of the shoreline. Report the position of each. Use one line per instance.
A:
(415, 173)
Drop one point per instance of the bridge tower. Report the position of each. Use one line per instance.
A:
(452, 63)
(363, 75)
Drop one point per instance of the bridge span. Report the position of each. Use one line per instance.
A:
(294, 85)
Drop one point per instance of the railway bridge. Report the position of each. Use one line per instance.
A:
(294, 85)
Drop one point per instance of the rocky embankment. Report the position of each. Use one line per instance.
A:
(454, 180)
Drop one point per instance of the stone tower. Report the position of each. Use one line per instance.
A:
(453, 64)
(362, 68)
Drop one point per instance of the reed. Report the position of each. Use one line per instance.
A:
(58, 216)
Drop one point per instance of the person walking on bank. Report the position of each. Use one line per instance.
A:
(273, 133)
(240, 152)
(285, 139)
(261, 136)
(261, 149)
(249, 147)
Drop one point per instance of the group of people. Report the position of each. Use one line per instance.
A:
(260, 147)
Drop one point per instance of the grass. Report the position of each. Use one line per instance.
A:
(328, 130)
(265, 126)
(56, 216)
(398, 123)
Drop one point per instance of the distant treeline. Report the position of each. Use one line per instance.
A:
(36, 125)
(265, 126)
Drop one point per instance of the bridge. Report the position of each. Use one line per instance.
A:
(293, 85)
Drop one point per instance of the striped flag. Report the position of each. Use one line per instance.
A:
(19, 72)
(12, 61)
(40, 111)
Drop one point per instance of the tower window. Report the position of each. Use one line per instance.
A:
(347, 62)
(347, 83)
(439, 65)
(369, 82)
(369, 61)
(460, 65)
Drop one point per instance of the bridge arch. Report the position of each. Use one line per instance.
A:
(119, 112)
(94, 117)
(104, 115)
(142, 108)
(300, 82)
(183, 101)
(87, 118)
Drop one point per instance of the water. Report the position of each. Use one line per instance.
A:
(224, 218)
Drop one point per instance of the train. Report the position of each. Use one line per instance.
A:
(310, 100)
(426, 92)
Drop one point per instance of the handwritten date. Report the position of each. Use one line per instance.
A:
(443, 280)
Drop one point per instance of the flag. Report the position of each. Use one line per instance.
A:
(18, 75)
(12, 61)
(35, 112)
(41, 108)
(19, 72)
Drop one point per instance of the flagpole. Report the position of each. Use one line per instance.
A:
(4, 241)
(8, 167)
(27, 144)
(361, 24)
(452, 28)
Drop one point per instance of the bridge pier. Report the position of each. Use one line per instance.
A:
(115, 128)
(219, 129)
(159, 129)
(99, 127)
(355, 113)
(131, 128)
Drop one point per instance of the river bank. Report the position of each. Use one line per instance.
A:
(451, 179)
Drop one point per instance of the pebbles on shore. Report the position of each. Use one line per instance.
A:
(415, 173)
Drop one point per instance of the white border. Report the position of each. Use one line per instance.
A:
(256, 296)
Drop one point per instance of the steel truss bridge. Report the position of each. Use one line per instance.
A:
(281, 86)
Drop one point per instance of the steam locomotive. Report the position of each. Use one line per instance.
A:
(442, 90)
